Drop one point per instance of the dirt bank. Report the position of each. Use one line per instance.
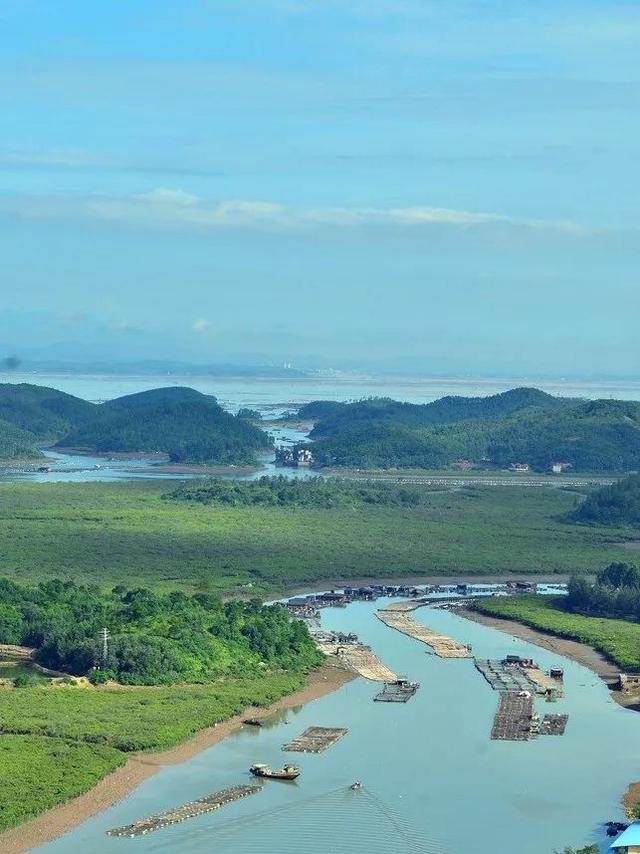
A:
(139, 767)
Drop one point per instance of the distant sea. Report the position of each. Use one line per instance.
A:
(279, 394)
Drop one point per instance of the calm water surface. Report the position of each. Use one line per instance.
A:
(434, 782)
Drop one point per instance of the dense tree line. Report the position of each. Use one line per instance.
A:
(616, 593)
(287, 492)
(155, 638)
(618, 504)
(593, 436)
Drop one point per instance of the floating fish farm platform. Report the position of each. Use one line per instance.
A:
(503, 678)
(396, 692)
(505, 675)
(186, 811)
(315, 739)
(553, 724)
(515, 719)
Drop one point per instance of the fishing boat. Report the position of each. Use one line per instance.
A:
(289, 772)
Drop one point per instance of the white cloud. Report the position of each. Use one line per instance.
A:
(165, 208)
(56, 157)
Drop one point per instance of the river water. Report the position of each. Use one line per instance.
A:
(434, 782)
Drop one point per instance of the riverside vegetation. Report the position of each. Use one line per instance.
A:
(58, 741)
(605, 615)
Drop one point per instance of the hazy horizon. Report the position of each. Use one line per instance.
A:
(397, 184)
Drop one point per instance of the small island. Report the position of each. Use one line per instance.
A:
(180, 424)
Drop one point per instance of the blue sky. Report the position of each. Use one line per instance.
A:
(445, 186)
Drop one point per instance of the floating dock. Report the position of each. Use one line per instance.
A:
(398, 617)
(553, 724)
(397, 692)
(515, 719)
(315, 739)
(190, 810)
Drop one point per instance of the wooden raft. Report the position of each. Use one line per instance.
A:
(401, 619)
(186, 811)
(315, 739)
(359, 658)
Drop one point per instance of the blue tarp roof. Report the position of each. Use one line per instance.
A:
(631, 836)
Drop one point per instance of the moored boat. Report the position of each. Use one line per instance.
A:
(289, 772)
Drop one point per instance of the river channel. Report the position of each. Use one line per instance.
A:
(434, 782)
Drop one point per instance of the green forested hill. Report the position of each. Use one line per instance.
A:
(335, 417)
(592, 436)
(16, 443)
(188, 426)
(45, 412)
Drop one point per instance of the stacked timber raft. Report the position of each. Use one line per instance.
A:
(315, 739)
(355, 655)
(397, 616)
(186, 811)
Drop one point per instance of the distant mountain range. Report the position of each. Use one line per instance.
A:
(188, 426)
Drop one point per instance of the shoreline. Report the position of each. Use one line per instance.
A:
(582, 654)
(52, 823)
(576, 651)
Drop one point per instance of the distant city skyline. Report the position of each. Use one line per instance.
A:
(399, 184)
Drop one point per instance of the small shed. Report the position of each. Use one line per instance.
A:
(629, 841)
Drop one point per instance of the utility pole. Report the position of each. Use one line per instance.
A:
(104, 635)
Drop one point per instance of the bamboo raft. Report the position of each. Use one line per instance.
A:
(398, 617)
(186, 811)
(359, 658)
(315, 739)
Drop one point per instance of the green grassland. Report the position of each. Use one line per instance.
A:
(57, 742)
(127, 533)
(39, 773)
(618, 640)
